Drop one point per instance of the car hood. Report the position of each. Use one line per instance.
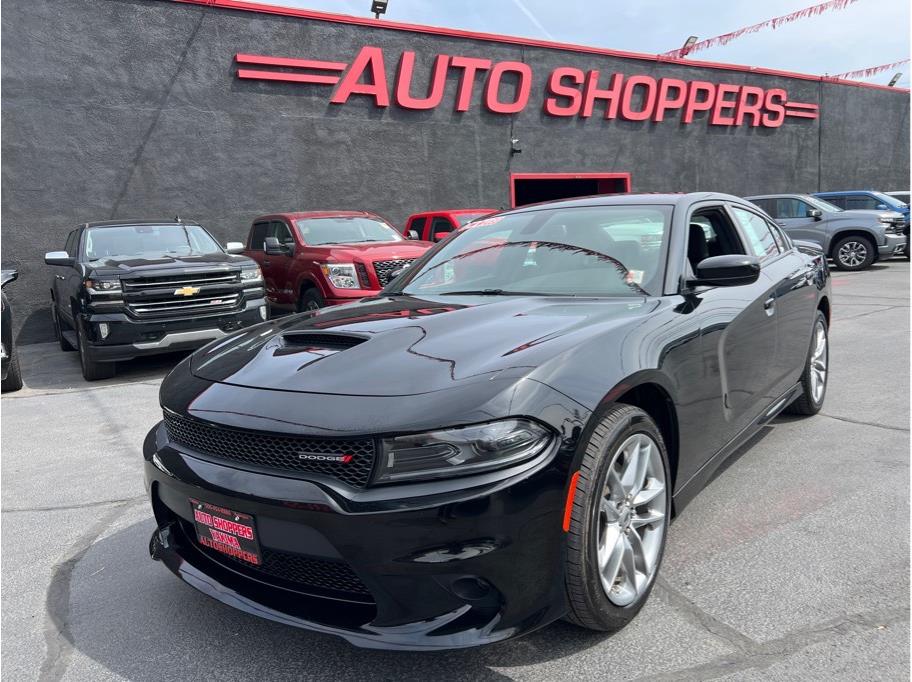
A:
(389, 346)
(147, 266)
(873, 216)
(371, 251)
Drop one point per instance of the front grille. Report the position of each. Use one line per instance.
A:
(294, 571)
(277, 452)
(384, 268)
(147, 297)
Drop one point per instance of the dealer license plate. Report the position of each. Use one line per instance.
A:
(229, 532)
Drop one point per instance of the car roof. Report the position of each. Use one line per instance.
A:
(778, 196)
(299, 215)
(457, 210)
(637, 199)
(847, 191)
(131, 223)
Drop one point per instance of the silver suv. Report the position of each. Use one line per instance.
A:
(853, 239)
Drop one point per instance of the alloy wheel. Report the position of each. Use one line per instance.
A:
(819, 360)
(631, 519)
(852, 254)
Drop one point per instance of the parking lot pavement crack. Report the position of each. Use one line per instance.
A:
(67, 507)
(761, 656)
(876, 425)
(57, 636)
(693, 613)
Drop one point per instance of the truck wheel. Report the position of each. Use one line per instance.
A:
(311, 299)
(854, 253)
(58, 332)
(13, 381)
(618, 520)
(91, 370)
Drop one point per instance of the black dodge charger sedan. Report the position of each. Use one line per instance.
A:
(501, 436)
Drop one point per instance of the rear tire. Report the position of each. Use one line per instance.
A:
(621, 506)
(91, 370)
(13, 381)
(816, 370)
(311, 299)
(854, 253)
(58, 331)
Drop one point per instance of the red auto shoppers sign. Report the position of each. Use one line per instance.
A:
(568, 91)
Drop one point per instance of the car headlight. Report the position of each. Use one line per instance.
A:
(103, 284)
(886, 219)
(461, 451)
(341, 275)
(251, 275)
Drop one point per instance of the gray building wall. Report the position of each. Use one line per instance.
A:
(131, 108)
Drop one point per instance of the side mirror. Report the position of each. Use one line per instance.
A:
(61, 258)
(8, 276)
(440, 236)
(731, 270)
(882, 207)
(815, 213)
(275, 248)
(234, 247)
(413, 234)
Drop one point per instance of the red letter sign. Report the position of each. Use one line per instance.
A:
(369, 57)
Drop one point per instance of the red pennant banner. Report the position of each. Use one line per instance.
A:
(870, 71)
(774, 23)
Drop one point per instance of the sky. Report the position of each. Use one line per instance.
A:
(866, 33)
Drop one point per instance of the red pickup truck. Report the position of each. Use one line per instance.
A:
(432, 226)
(320, 258)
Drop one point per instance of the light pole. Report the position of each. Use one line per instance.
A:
(378, 7)
(688, 44)
(894, 80)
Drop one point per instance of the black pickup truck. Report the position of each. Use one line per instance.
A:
(122, 289)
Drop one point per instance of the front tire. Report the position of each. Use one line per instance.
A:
(91, 370)
(311, 299)
(854, 253)
(13, 381)
(618, 521)
(816, 371)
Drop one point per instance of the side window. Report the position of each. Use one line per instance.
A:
(791, 208)
(281, 232)
(258, 236)
(782, 241)
(72, 244)
(861, 201)
(768, 205)
(711, 233)
(418, 225)
(758, 233)
(836, 201)
(440, 225)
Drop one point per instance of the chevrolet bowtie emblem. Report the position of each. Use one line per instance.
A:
(187, 291)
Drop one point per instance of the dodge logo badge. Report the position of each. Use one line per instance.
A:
(344, 459)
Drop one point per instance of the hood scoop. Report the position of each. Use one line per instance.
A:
(320, 343)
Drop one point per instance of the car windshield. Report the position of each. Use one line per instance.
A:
(586, 251)
(901, 196)
(345, 230)
(817, 202)
(464, 218)
(148, 241)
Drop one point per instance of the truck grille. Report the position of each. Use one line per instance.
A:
(158, 296)
(384, 268)
(277, 452)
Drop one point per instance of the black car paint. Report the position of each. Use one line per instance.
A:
(715, 363)
(6, 321)
(73, 306)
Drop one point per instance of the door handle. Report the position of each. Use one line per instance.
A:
(769, 305)
(780, 223)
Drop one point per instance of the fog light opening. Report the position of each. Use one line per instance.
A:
(104, 329)
(470, 588)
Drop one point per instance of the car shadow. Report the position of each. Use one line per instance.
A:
(132, 616)
(45, 367)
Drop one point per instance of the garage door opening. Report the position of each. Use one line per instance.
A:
(530, 188)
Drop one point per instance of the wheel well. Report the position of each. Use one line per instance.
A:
(306, 285)
(824, 307)
(655, 401)
(851, 233)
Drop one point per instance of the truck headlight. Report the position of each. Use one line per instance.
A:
(103, 284)
(251, 275)
(341, 275)
(461, 451)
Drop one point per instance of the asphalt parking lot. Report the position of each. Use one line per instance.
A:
(792, 564)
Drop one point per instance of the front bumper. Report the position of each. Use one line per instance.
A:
(894, 246)
(129, 338)
(460, 567)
